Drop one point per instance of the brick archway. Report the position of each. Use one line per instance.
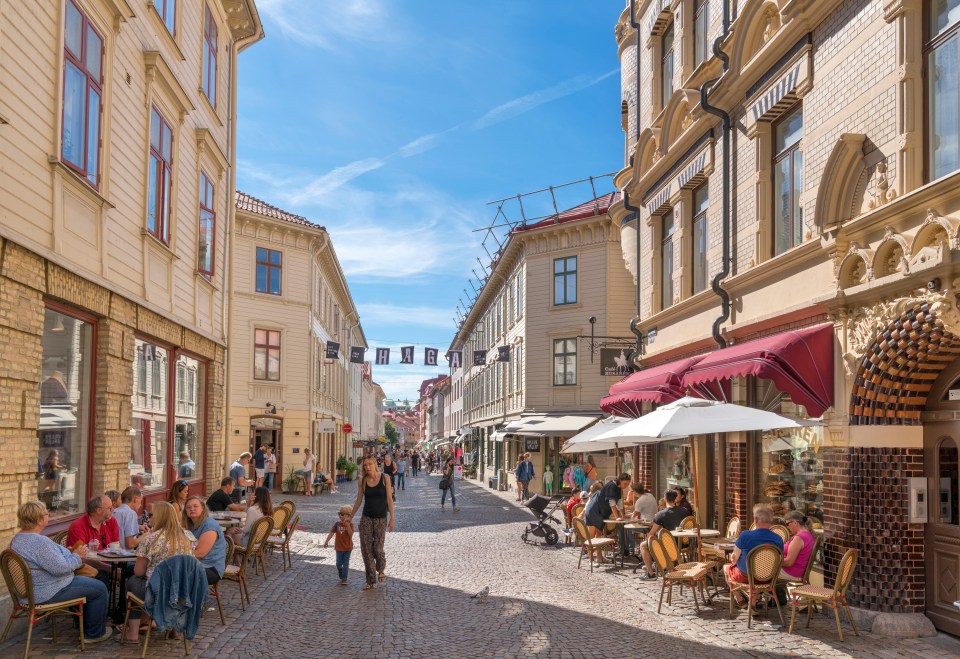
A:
(894, 375)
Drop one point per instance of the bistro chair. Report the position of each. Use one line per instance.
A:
(709, 544)
(288, 504)
(134, 603)
(238, 573)
(805, 579)
(782, 531)
(763, 567)
(261, 549)
(16, 574)
(60, 538)
(685, 544)
(833, 597)
(214, 590)
(588, 543)
(231, 550)
(281, 517)
(690, 574)
(283, 543)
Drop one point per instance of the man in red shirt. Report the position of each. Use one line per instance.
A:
(98, 524)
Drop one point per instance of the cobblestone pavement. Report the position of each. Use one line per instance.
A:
(539, 603)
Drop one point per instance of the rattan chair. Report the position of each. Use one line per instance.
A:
(134, 603)
(281, 517)
(805, 579)
(589, 544)
(283, 543)
(686, 546)
(833, 597)
(16, 574)
(782, 531)
(60, 538)
(238, 573)
(687, 574)
(288, 504)
(763, 568)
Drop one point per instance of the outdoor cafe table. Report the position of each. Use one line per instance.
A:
(621, 534)
(638, 527)
(116, 560)
(229, 518)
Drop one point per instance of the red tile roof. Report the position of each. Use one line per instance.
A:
(253, 205)
(588, 209)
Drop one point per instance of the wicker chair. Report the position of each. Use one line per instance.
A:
(686, 546)
(134, 603)
(283, 543)
(763, 567)
(805, 579)
(16, 574)
(281, 517)
(288, 504)
(238, 573)
(588, 543)
(833, 597)
(687, 574)
(60, 538)
(782, 531)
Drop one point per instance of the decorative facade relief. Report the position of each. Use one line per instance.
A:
(881, 187)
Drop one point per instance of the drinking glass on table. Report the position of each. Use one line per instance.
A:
(93, 546)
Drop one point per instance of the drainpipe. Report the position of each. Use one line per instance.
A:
(636, 98)
(705, 90)
(638, 351)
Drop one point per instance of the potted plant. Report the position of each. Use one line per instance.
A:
(293, 482)
(342, 466)
(351, 470)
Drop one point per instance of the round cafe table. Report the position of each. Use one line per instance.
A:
(229, 518)
(638, 528)
(116, 560)
(621, 534)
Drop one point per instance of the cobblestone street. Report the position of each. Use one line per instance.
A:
(539, 603)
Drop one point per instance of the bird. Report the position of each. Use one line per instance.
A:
(482, 595)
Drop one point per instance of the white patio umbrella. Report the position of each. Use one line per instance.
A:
(583, 441)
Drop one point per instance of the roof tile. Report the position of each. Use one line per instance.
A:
(251, 204)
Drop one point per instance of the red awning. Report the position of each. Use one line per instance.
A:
(660, 384)
(799, 362)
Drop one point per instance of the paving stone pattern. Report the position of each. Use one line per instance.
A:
(539, 603)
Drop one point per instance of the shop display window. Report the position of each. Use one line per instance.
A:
(63, 435)
(149, 446)
(675, 467)
(188, 429)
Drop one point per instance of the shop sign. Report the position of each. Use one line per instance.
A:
(532, 444)
(359, 444)
(615, 362)
(326, 425)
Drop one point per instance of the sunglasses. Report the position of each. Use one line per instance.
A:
(344, 514)
(184, 483)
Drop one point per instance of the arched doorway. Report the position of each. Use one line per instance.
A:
(941, 448)
(267, 430)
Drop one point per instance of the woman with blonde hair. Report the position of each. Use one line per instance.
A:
(165, 540)
(375, 492)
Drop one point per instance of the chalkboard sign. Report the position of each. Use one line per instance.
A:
(532, 444)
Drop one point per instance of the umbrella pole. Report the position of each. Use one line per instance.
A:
(616, 460)
(696, 482)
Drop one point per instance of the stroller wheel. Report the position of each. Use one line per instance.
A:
(552, 536)
(523, 536)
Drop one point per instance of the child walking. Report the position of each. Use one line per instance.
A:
(343, 544)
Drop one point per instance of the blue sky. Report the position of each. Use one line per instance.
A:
(394, 122)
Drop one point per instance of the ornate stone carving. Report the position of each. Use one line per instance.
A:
(864, 324)
(882, 192)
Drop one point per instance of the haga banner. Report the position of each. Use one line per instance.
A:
(406, 355)
(615, 362)
(455, 357)
(503, 353)
(383, 355)
(333, 349)
(430, 356)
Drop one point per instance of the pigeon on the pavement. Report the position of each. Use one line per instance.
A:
(482, 595)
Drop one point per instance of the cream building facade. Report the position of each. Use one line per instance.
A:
(548, 280)
(838, 256)
(117, 146)
(290, 298)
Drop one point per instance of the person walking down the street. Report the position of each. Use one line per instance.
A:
(309, 464)
(516, 473)
(375, 493)
(447, 479)
(342, 532)
(390, 470)
(260, 464)
(525, 474)
(401, 473)
(415, 462)
(270, 468)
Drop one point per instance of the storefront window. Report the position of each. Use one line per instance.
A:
(63, 434)
(674, 467)
(149, 444)
(947, 466)
(188, 430)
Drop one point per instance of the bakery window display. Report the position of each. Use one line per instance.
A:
(792, 472)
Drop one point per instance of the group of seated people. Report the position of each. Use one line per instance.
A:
(620, 499)
(180, 525)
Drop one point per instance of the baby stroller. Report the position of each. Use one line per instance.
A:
(544, 508)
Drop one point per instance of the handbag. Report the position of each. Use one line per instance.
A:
(444, 484)
(86, 571)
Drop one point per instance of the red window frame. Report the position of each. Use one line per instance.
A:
(168, 13)
(207, 227)
(209, 81)
(266, 342)
(272, 270)
(160, 176)
(90, 172)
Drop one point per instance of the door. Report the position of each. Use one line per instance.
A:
(942, 541)
(268, 431)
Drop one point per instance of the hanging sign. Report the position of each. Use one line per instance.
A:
(357, 354)
(333, 349)
(503, 353)
(532, 444)
(406, 355)
(383, 355)
(347, 428)
(615, 362)
(479, 357)
(430, 356)
(455, 357)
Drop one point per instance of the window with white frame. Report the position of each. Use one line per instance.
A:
(564, 362)
(666, 260)
(787, 181)
(942, 55)
(701, 202)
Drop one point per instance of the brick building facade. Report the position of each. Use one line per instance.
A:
(843, 231)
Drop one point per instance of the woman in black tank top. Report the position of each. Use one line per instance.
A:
(376, 493)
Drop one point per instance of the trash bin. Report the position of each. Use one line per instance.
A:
(494, 483)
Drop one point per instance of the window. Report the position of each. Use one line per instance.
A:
(208, 227)
(159, 199)
(564, 362)
(666, 261)
(149, 441)
(63, 435)
(701, 26)
(701, 202)
(269, 269)
(565, 280)
(168, 12)
(666, 66)
(188, 431)
(266, 355)
(942, 54)
(788, 181)
(209, 82)
(82, 91)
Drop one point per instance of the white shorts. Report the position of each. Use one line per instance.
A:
(261, 472)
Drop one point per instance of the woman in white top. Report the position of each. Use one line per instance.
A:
(261, 506)
(309, 463)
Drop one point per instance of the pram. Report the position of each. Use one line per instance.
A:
(544, 508)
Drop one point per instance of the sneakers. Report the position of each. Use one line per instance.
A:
(343, 582)
(107, 633)
(455, 509)
(647, 577)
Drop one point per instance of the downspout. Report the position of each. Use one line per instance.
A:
(636, 98)
(705, 90)
(638, 351)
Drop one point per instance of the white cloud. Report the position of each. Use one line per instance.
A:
(327, 24)
(333, 180)
(441, 317)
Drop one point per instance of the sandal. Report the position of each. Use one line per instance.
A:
(367, 586)
(382, 578)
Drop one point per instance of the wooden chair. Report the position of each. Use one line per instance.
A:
(238, 573)
(283, 543)
(16, 574)
(690, 574)
(231, 550)
(134, 603)
(60, 538)
(214, 590)
(782, 531)
(589, 544)
(833, 597)
(763, 568)
(261, 550)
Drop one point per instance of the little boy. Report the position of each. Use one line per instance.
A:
(343, 544)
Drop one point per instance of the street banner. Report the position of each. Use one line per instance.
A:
(357, 354)
(430, 356)
(479, 357)
(503, 353)
(406, 355)
(333, 349)
(615, 362)
(455, 357)
(383, 355)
